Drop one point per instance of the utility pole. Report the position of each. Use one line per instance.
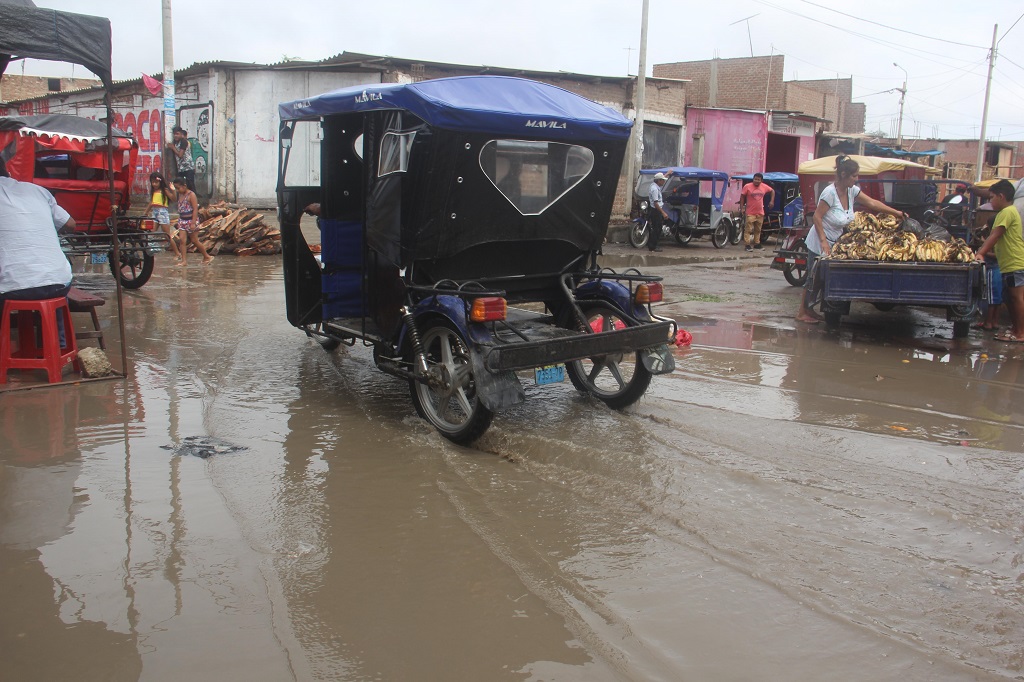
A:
(170, 120)
(903, 97)
(634, 155)
(641, 94)
(984, 114)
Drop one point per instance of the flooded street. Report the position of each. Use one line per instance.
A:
(792, 503)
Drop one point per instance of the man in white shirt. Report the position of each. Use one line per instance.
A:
(32, 265)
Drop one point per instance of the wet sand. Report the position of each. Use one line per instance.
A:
(792, 503)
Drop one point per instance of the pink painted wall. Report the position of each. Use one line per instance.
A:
(734, 142)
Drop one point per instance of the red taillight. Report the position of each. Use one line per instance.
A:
(147, 225)
(488, 309)
(651, 292)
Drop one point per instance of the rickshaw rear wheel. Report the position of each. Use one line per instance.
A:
(720, 237)
(448, 399)
(618, 379)
(736, 232)
(797, 276)
(683, 235)
(639, 233)
(135, 270)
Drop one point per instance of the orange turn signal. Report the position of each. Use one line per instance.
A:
(488, 309)
(651, 292)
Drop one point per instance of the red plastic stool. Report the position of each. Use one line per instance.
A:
(52, 356)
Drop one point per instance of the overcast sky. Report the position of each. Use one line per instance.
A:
(946, 63)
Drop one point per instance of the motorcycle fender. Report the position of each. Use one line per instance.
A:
(496, 390)
(658, 360)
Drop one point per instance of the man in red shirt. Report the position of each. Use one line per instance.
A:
(752, 202)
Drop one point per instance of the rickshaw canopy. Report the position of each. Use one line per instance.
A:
(498, 105)
(774, 176)
(869, 165)
(68, 156)
(689, 172)
(30, 31)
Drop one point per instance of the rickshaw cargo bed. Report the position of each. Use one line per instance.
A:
(907, 283)
(550, 351)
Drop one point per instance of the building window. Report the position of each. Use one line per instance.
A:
(661, 145)
(53, 84)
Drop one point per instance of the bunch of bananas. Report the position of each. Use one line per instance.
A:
(930, 251)
(863, 220)
(957, 251)
(899, 247)
(859, 245)
(872, 237)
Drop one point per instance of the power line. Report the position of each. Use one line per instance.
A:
(892, 28)
(908, 50)
(1010, 29)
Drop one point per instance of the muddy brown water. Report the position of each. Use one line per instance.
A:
(790, 504)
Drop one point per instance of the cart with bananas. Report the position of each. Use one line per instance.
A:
(880, 261)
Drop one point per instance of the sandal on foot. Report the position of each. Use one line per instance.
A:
(1007, 337)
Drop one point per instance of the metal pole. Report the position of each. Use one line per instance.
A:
(169, 120)
(903, 96)
(641, 93)
(984, 114)
(113, 230)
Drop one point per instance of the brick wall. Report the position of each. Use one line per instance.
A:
(14, 87)
(809, 101)
(837, 94)
(741, 83)
(854, 117)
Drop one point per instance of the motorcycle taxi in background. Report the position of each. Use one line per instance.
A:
(693, 201)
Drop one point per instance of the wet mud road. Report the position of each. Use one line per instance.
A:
(790, 504)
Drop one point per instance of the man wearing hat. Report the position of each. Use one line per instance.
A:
(656, 215)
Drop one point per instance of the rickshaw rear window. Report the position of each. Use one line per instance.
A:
(534, 175)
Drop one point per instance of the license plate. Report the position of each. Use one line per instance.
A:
(98, 258)
(552, 374)
(789, 260)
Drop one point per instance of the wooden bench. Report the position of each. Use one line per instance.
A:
(83, 302)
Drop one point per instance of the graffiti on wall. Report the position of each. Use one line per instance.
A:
(197, 120)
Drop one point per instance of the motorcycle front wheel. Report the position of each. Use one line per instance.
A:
(639, 233)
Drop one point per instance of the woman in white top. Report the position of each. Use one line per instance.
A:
(834, 213)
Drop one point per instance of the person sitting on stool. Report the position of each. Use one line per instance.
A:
(32, 265)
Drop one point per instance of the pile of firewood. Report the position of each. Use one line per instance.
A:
(230, 228)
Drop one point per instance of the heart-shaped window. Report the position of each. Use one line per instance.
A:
(534, 175)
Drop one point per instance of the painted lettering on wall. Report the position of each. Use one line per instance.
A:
(144, 126)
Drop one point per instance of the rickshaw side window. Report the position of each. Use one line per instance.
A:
(394, 153)
(357, 146)
(534, 175)
(303, 169)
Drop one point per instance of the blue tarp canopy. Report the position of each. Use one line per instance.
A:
(774, 176)
(690, 172)
(878, 150)
(499, 105)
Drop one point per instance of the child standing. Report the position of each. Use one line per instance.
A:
(188, 226)
(161, 197)
(1007, 240)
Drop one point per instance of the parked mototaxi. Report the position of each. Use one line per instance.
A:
(461, 221)
(782, 213)
(68, 156)
(693, 198)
